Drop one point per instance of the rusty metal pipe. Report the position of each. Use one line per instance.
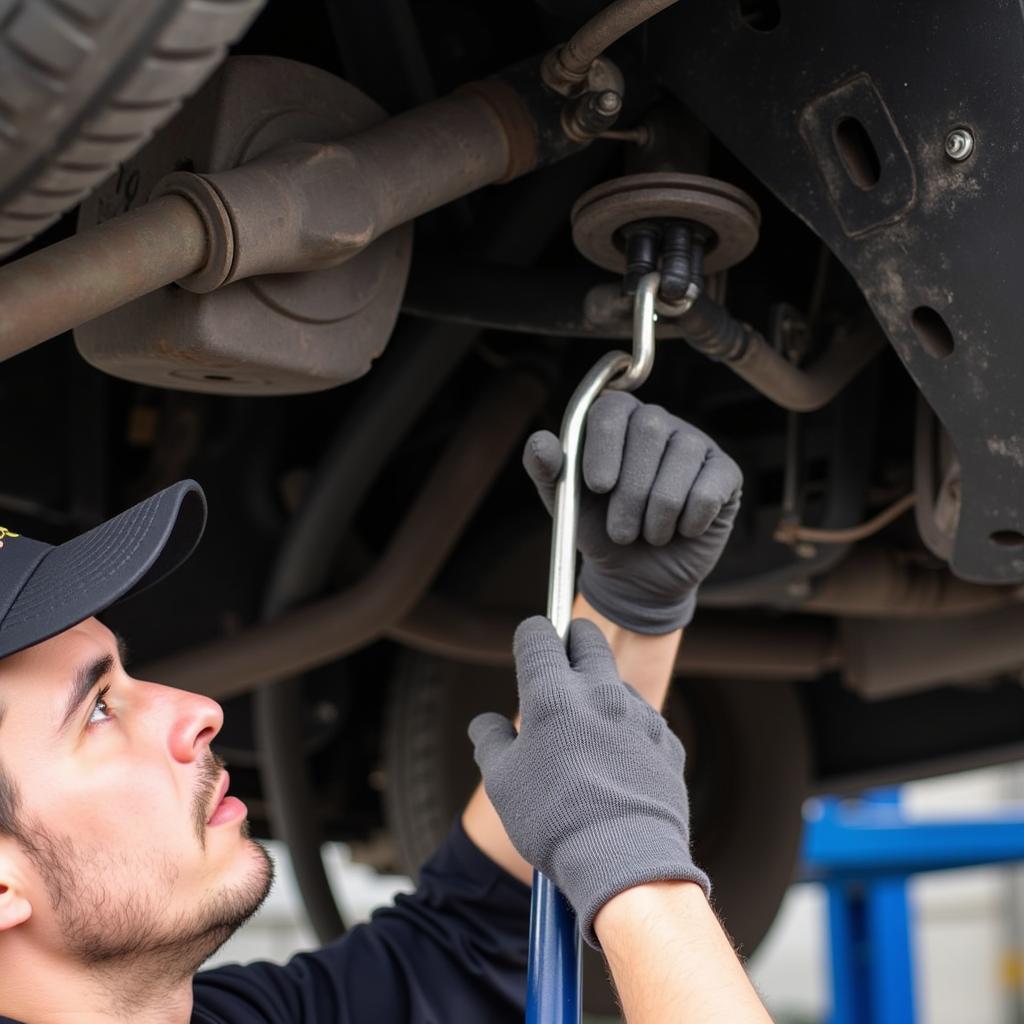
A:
(327, 630)
(302, 207)
(878, 657)
(805, 390)
(885, 658)
(717, 646)
(307, 206)
(711, 329)
(434, 154)
(66, 284)
(877, 582)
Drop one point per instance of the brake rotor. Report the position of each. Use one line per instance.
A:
(730, 215)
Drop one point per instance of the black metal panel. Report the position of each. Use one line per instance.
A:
(843, 110)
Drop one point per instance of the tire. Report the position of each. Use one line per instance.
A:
(748, 766)
(84, 83)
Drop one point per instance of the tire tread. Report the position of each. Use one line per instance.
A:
(45, 44)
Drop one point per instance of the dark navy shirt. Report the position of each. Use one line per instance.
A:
(452, 952)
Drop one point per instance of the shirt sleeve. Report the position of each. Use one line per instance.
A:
(454, 950)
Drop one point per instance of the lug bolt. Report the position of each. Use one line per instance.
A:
(959, 144)
(641, 247)
(700, 243)
(676, 260)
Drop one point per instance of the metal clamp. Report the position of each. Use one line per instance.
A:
(553, 975)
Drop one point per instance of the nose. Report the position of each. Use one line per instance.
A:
(195, 722)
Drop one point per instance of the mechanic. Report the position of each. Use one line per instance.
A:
(124, 865)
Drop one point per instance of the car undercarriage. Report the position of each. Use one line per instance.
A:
(841, 170)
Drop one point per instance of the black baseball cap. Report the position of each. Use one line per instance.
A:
(45, 589)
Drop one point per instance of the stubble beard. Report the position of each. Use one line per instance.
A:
(111, 904)
(124, 929)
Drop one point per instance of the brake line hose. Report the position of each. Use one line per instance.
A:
(571, 62)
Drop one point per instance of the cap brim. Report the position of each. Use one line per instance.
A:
(119, 558)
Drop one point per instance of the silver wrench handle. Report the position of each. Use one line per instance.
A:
(617, 370)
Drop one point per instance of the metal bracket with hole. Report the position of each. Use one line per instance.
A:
(859, 144)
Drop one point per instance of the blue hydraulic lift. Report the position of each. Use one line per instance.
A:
(863, 851)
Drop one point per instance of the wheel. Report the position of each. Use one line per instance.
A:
(83, 83)
(747, 771)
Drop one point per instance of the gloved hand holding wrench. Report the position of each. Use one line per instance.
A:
(658, 507)
(659, 501)
(590, 787)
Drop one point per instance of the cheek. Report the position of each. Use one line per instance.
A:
(127, 801)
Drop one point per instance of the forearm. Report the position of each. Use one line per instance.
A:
(671, 960)
(645, 662)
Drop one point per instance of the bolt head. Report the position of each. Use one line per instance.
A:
(609, 102)
(959, 144)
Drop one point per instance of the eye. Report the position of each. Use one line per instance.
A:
(100, 708)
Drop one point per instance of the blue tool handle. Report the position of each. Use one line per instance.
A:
(553, 976)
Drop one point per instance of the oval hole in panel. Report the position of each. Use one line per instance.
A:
(858, 153)
(932, 331)
(1007, 538)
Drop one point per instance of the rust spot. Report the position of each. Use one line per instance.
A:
(1011, 448)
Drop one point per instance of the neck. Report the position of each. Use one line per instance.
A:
(38, 987)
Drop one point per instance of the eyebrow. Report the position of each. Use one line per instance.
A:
(85, 680)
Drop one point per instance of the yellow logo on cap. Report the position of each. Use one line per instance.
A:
(5, 534)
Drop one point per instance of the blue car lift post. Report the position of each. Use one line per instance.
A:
(863, 851)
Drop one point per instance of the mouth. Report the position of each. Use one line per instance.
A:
(222, 792)
(227, 809)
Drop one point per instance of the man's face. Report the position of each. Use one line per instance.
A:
(117, 787)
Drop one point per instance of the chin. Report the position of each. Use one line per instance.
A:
(256, 862)
(243, 894)
(262, 864)
(241, 864)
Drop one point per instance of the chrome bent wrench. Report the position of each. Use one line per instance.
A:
(553, 973)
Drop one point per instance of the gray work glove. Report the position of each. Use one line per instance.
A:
(590, 790)
(657, 507)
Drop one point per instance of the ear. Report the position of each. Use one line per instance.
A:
(15, 907)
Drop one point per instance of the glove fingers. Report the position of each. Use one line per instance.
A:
(718, 482)
(650, 428)
(491, 734)
(539, 654)
(542, 460)
(683, 460)
(589, 652)
(607, 422)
